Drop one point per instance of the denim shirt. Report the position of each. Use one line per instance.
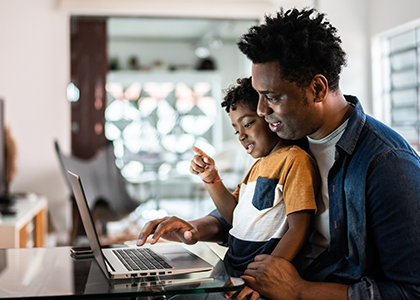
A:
(374, 198)
(374, 206)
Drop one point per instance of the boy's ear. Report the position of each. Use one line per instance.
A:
(319, 87)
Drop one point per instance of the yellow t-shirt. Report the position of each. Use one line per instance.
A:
(284, 182)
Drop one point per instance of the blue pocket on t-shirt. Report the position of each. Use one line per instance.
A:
(264, 193)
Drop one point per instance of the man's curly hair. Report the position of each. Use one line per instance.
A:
(304, 45)
(243, 94)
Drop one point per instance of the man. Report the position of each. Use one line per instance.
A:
(366, 243)
(366, 238)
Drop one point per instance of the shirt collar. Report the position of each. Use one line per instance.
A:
(355, 125)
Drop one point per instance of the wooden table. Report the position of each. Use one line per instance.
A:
(28, 227)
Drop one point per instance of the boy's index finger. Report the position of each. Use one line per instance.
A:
(202, 155)
(199, 151)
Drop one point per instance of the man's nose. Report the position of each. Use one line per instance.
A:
(263, 109)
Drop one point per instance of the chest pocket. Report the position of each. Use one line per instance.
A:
(264, 193)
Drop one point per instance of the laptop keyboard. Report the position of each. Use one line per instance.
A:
(136, 259)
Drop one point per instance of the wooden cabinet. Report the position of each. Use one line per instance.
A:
(28, 227)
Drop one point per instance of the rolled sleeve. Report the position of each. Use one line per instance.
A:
(225, 225)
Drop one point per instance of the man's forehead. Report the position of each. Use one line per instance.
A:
(266, 84)
(268, 72)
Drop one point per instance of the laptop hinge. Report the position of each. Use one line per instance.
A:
(108, 265)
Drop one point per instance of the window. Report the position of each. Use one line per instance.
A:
(398, 89)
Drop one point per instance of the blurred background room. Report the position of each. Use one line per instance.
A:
(121, 91)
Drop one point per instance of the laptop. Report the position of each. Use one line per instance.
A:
(122, 263)
(97, 283)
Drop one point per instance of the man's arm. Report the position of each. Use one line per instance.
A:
(210, 229)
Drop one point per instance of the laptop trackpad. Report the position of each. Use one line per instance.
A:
(181, 256)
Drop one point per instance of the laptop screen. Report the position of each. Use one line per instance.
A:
(87, 220)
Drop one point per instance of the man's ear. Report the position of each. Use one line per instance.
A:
(319, 87)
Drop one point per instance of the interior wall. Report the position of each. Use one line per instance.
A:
(387, 14)
(34, 72)
(350, 19)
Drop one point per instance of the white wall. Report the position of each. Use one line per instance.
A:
(34, 67)
(34, 71)
(350, 18)
(387, 14)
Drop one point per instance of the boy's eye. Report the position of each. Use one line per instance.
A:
(248, 124)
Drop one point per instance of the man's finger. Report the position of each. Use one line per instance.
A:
(160, 229)
(253, 265)
(230, 294)
(242, 294)
(148, 229)
(255, 296)
(249, 281)
(188, 235)
(262, 257)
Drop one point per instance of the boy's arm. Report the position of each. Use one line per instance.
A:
(223, 199)
(205, 167)
(294, 238)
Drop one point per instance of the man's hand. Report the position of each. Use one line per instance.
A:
(274, 277)
(169, 228)
(253, 294)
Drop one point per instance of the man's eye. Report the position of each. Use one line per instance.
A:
(248, 124)
(271, 99)
(237, 132)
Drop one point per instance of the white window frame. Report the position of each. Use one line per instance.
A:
(381, 79)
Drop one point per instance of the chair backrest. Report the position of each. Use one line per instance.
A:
(101, 178)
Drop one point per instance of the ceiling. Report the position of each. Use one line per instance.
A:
(176, 29)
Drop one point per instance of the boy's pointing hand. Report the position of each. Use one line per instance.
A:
(203, 165)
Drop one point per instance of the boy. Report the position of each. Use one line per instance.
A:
(271, 209)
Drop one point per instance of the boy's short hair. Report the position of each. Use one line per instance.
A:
(303, 42)
(243, 94)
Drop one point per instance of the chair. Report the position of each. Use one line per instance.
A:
(104, 186)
